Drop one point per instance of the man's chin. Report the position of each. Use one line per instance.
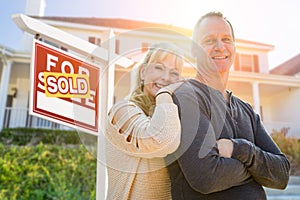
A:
(223, 69)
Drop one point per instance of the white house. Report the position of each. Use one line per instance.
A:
(273, 95)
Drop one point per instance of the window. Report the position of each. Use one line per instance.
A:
(246, 63)
(63, 48)
(145, 46)
(54, 44)
(117, 47)
(261, 113)
(95, 40)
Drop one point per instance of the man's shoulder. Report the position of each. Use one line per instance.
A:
(192, 87)
(241, 102)
(191, 84)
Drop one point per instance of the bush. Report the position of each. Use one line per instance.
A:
(47, 172)
(31, 136)
(289, 146)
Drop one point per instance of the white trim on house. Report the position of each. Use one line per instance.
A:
(262, 78)
(254, 45)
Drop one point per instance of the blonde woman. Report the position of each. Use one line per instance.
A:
(143, 130)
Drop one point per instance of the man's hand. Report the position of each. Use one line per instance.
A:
(225, 147)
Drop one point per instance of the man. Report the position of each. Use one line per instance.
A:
(225, 152)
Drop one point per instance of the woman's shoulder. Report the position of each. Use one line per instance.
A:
(123, 104)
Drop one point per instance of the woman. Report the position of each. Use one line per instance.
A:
(144, 129)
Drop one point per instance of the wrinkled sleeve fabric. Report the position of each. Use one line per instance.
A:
(263, 159)
(204, 170)
(145, 137)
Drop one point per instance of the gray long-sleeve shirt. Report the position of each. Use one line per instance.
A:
(199, 172)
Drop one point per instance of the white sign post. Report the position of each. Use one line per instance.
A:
(62, 81)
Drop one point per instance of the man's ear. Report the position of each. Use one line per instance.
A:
(198, 52)
(193, 49)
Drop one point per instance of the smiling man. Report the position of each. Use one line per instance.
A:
(225, 152)
(215, 35)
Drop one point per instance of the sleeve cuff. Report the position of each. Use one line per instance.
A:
(243, 150)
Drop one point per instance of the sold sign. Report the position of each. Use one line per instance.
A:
(64, 88)
(66, 85)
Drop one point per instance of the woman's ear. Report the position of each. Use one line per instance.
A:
(142, 72)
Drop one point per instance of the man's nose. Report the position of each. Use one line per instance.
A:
(219, 45)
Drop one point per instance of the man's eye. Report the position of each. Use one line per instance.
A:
(209, 41)
(227, 40)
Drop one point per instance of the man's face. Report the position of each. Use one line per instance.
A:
(215, 37)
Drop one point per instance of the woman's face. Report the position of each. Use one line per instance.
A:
(159, 74)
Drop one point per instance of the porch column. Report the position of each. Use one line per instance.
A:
(256, 99)
(4, 88)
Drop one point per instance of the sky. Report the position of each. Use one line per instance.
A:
(273, 22)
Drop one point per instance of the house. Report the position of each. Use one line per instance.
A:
(290, 68)
(272, 94)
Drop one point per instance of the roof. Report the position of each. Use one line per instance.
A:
(254, 43)
(290, 67)
(115, 23)
(132, 24)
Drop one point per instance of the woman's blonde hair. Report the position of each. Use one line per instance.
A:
(156, 52)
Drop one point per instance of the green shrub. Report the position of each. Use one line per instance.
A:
(289, 146)
(31, 136)
(47, 172)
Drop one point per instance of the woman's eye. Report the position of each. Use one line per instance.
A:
(175, 74)
(159, 67)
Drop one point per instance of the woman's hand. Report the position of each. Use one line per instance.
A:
(170, 88)
(164, 95)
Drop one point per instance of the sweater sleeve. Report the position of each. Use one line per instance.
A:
(264, 160)
(146, 137)
(204, 170)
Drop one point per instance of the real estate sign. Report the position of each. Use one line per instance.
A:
(64, 88)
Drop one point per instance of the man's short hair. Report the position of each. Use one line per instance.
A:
(218, 14)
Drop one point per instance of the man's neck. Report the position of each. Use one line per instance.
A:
(218, 81)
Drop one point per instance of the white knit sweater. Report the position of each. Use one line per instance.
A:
(135, 164)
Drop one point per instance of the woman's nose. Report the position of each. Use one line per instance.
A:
(165, 76)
